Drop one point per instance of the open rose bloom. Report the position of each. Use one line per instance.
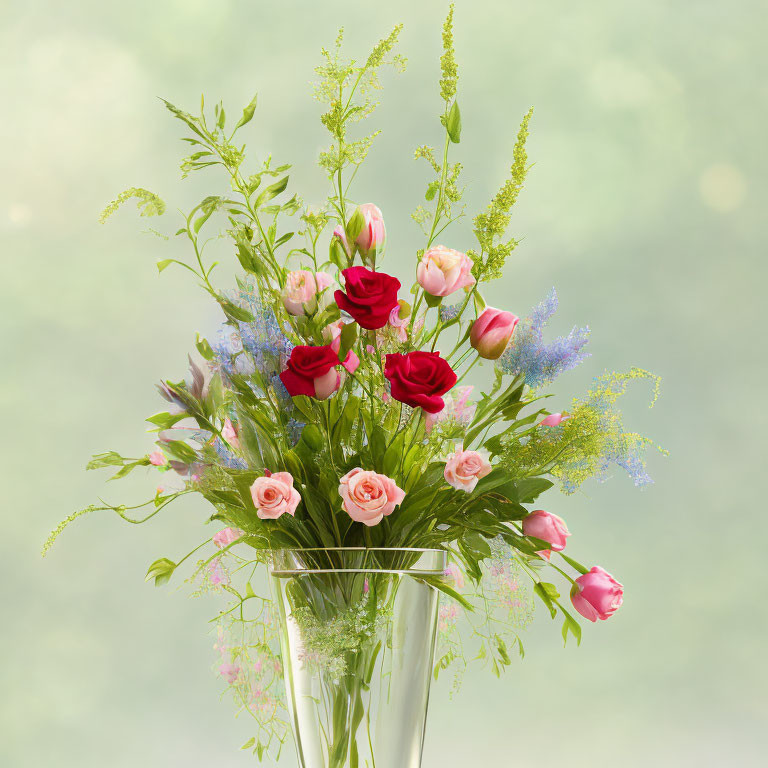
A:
(359, 404)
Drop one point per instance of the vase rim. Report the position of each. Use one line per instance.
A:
(291, 561)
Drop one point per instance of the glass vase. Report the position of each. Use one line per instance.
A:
(358, 633)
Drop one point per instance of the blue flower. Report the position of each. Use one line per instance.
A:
(540, 362)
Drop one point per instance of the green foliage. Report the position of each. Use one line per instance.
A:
(148, 203)
(492, 224)
(448, 67)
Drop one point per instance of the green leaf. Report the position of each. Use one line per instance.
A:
(355, 226)
(161, 265)
(108, 459)
(233, 312)
(453, 124)
(347, 340)
(574, 564)
(203, 347)
(247, 116)
(432, 301)
(248, 744)
(570, 625)
(271, 191)
(432, 190)
(541, 589)
(438, 583)
(180, 451)
(161, 571)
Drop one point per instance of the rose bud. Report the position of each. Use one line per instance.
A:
(492, 331)
(596, 594)
(548, 527)
(368, 296)
(554, 419)
(373, 234)
(274, 495)
(419, 379)
(311, 371)
(341, 235)
(442, 271)
(158, 459)
(301, 289)
(464, 468)
(368, 496)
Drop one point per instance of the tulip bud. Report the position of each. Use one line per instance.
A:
(553, 420)
(596, 594)
(548, 527)
(373, 234)
(492, 331)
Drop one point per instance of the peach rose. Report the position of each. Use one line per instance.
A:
(464, 468)
(274, 495)
(368, 496)
(442, 271)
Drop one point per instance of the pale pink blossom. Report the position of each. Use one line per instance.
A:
(464, 468)
(456, 408)
(230, 434)
(229, 671)
(548, 527)
(275, 495)
(454, 573)
(158, 459)
(596, 594)
(368, 496)
(554, 419)
(301, 289)
(442, 271)
(226, 536)
(492, 331)
(400, 324)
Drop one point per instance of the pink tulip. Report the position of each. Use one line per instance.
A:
(368, 496)
(553, 420)
(596, 594)
(274, 495)
(301, 289)
(492, 331)
(548, 527)
(442, 271)
(226, 536)
(464, 468)
(158, 459)
(374, 233)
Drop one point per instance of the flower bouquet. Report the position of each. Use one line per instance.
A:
(329, 424)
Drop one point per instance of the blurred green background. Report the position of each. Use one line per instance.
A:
(645, 207)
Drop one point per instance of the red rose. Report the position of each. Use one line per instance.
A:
(368, 296)
(419, 379)
(312, 371)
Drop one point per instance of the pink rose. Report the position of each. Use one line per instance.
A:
(374, 233)
(442, 271)
(548, 527)
(158, 459)
(492, 331)
(275, 495)
(464, 468)
(229, 433)
(553, 420)
(301, 289)
(226, 536)
(596, 594)
(368, 496)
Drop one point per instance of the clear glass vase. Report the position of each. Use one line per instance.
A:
(358, 640)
